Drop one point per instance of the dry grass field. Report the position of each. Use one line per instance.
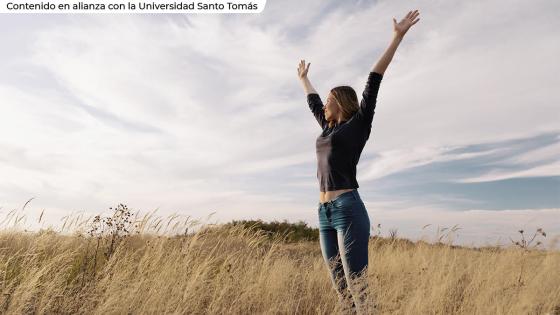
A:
(110, 269)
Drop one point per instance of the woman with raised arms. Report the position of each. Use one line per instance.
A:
(344, 223)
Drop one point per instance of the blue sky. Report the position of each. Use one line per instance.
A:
(195, 114)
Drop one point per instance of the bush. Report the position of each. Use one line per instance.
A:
(292, 232)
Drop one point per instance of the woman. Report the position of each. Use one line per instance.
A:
(343, 219)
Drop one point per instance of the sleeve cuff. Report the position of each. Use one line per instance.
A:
(312, 96)
(376, 76)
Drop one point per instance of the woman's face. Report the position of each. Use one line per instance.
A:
(331, 108)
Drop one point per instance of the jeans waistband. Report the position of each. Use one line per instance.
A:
(344, 194)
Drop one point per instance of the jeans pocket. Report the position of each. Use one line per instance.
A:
(344, 205)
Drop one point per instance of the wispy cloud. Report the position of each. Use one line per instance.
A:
(393, 161)
(539, 171)
(205, 112)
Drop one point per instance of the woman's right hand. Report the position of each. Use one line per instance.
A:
(302, 70)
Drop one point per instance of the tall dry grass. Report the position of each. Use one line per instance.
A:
(116, 267)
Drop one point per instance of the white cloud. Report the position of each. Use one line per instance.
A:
(393, 161)
(398, 160)
(552, 169)
(547, 158)
(177, 111)
(540, 155)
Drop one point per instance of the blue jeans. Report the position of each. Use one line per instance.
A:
(344, 235)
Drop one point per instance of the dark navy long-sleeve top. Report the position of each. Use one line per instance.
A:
(339, 147)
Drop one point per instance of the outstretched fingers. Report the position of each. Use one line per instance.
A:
(414, 14)
(302, 68)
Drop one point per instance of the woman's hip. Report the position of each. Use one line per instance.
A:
(345, 210)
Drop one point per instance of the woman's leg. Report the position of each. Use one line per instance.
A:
(354, 257)
(328, 240)
(353, 225)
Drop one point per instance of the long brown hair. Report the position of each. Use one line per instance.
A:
(347, 101)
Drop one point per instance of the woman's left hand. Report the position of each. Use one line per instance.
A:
(402, 27)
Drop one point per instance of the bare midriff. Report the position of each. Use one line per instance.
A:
(325, 196)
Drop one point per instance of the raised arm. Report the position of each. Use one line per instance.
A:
(367, 104)
(399, 30)
(313, 98)
(302, 74)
